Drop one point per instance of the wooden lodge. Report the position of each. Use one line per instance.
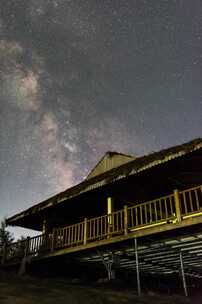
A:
(155, 200)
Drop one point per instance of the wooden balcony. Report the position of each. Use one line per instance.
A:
(177, 210)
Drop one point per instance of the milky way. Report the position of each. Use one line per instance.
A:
(79, 78)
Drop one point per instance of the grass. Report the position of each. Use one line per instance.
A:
(30, 290)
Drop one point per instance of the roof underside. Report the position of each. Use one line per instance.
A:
(158, 255)
(122, 171)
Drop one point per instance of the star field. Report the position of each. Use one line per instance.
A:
(79, 78)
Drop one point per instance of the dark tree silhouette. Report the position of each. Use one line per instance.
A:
(6, 236)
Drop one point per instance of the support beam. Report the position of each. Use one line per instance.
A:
(137, 268)
(183, 275)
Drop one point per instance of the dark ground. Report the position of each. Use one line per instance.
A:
(37, 290)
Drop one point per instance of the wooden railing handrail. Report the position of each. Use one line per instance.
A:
(152, 201)
(190, 189)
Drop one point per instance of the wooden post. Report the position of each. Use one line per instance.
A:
(137, 269)
(85, 231)
(3, 260)
(177, 205)
(110, 208)
(183, 275)
(125, 220)
(109, 205)
(44, 228)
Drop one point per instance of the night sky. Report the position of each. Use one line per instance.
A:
(81, 77)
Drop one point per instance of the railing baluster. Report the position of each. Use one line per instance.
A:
(119, 223)
(64, 236)
(141, 218)
(191, 202)
(98, 222)
(145, 211)
(136, 215)
(150, 213)
(75, 233)
(121, 220)
(79, 232)
(166, 208)
(61, 237)
(155, 212)
(92, 222)
(160, 209)
(69, 235)
(56, 238)
(94, 230)
(185, 202)
(131, 218)
(31, 245)
(114, 221)
(72, 235)
(90, 229)
(101, 226)
(34, 245)
(37, 243)
(171, 205)
(197, 199)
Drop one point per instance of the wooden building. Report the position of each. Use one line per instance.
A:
(123, 198)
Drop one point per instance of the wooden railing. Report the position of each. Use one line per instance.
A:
(68, 236)
(168, 209)
(191, 201)
(152, 212)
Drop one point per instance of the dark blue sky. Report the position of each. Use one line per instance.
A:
(79, 78)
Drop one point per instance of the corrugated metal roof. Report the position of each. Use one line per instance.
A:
(130, 168)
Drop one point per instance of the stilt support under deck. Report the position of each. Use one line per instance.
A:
(183, 275)
(137, 268)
